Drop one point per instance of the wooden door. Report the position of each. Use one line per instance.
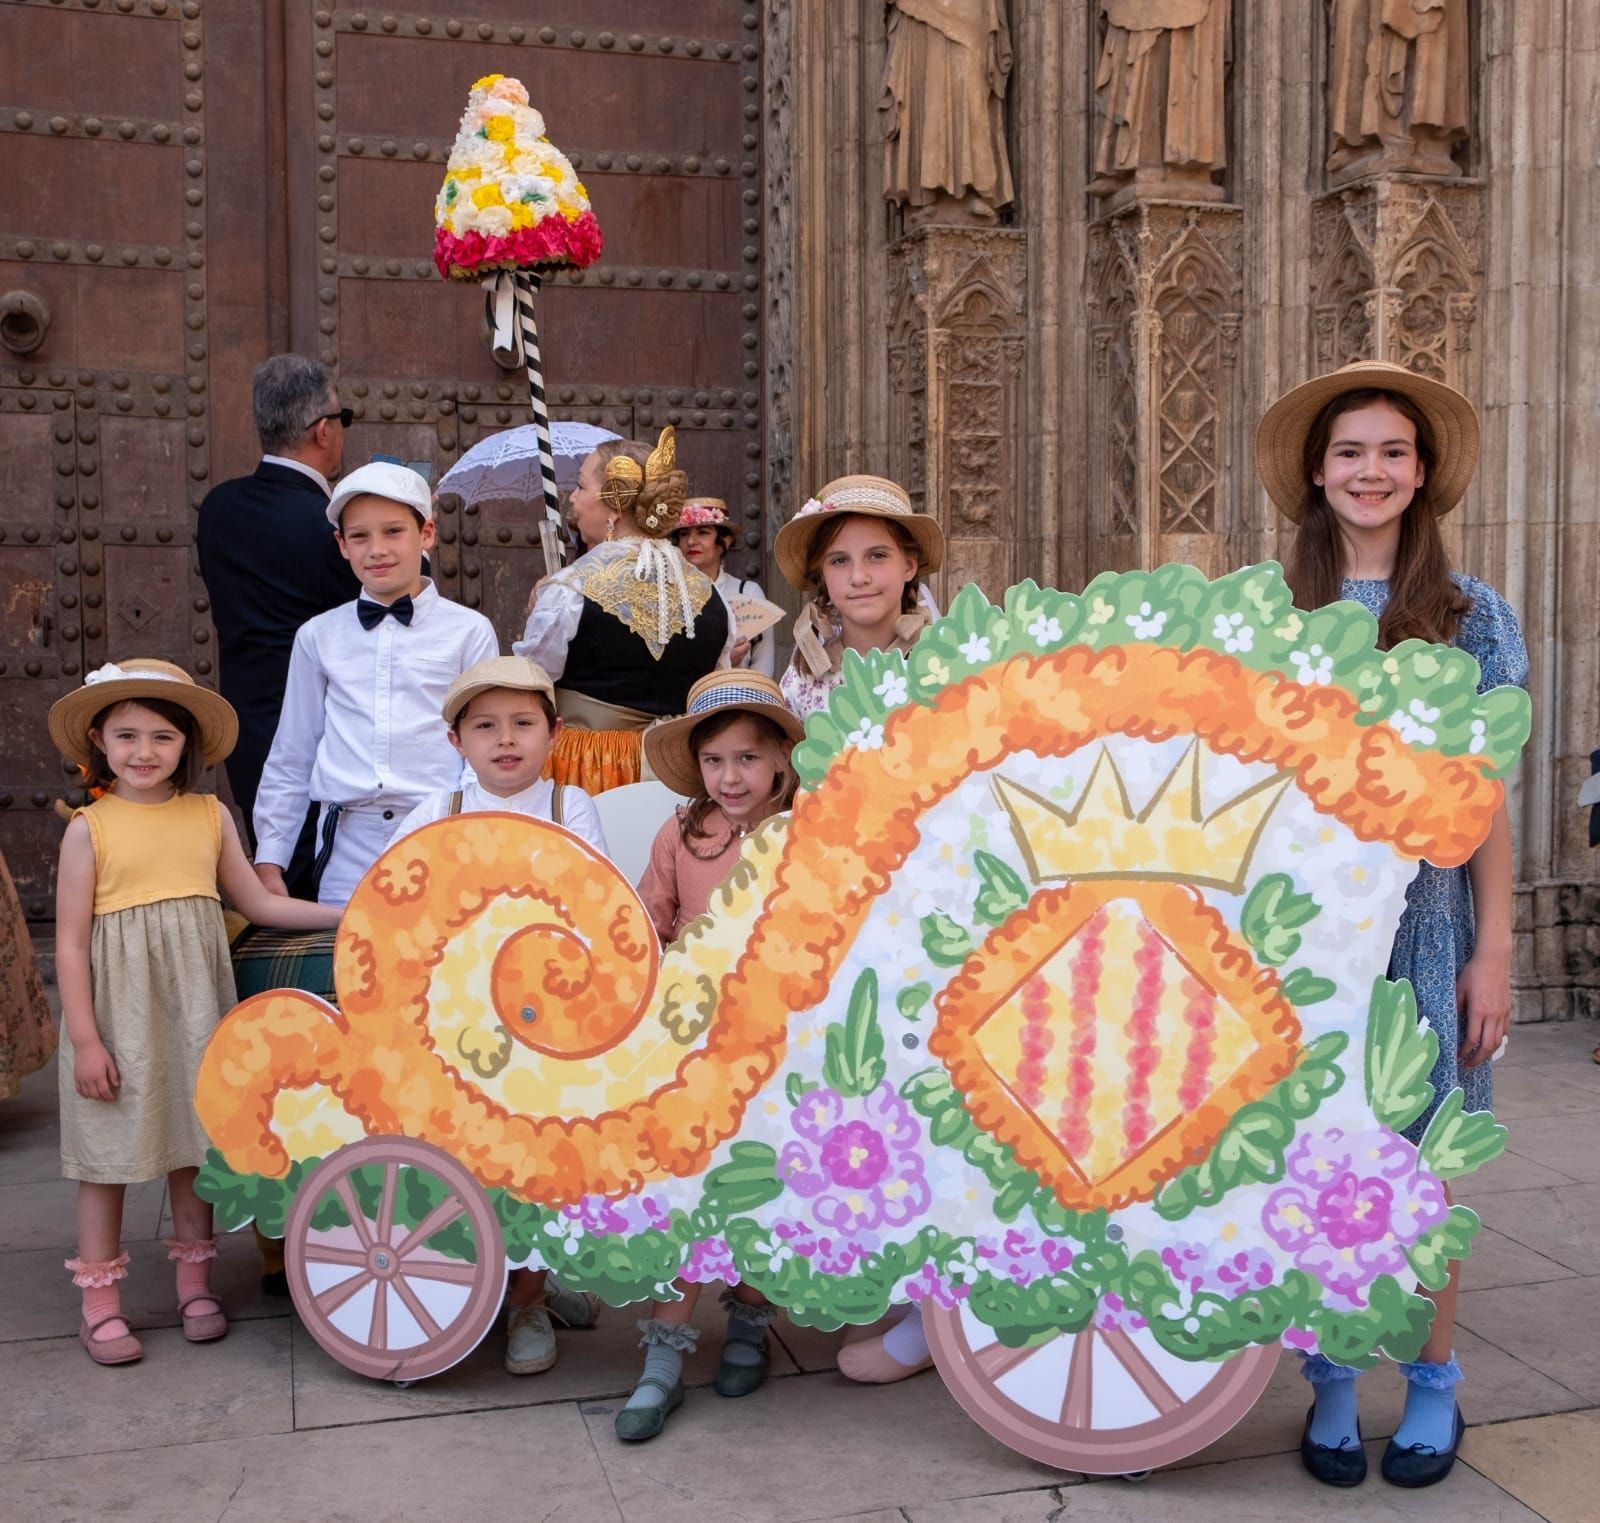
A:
(190, 187)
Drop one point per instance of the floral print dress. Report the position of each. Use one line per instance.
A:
(1435, 936)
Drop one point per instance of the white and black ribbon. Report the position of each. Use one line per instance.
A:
(526, 284)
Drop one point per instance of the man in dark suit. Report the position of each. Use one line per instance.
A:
(270, 562)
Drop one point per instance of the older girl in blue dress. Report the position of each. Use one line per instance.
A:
(1365, 462)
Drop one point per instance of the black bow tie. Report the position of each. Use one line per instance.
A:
(372, 614)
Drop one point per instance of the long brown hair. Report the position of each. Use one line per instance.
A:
(831, 531)
(692, 822)
(1424, 601)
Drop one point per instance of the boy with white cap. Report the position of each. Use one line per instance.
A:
(361, 732)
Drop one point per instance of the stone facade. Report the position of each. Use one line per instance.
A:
(1210, 202)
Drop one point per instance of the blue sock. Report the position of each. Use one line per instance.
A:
(1429, 1420)
(1333, 1388)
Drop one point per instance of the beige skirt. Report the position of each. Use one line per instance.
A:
(162, 980)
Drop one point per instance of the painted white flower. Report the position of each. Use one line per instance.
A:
(777, 1252)
(866, 736)
(962, 1265)
(1415, 723)
(1480, 737)
(1233, 632)
(1101, 612)
(1147, 625)
(1311, 667)
(567, 1232)
(1045, 630)
(892, 690)
(975, 648)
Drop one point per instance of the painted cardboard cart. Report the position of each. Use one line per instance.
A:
(1057, 1005)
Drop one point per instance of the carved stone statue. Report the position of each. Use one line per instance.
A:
(1158, 94)
(1398, 81)
(944, 90)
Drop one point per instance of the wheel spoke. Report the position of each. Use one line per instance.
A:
(997, 1360)
(451, 1271)
(1077, 1402)
(378, 1328)
(415, 1307)
(441, 1216)
(336, 1295)
(391, 1174)
(326, 1253)
(1128, 1354)
(347, 1198)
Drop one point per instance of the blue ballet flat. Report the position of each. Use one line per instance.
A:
(1333, 1467)
(1421, 1464)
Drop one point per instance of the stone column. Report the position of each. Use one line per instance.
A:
(1165, 461)
(957, 342)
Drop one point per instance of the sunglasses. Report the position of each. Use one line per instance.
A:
(345, 415)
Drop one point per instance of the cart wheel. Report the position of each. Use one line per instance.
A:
(1098, 1402)
(371, 1293)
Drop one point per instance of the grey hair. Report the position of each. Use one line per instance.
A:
(286, 393)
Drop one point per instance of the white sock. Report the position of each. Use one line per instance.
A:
(905, 1342)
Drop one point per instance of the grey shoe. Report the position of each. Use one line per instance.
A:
(571, 1308)
(530, 1340)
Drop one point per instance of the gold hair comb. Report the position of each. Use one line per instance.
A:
(624, 477)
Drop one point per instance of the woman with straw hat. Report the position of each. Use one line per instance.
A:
(1365, 462)
(858, 550)
(705, 534)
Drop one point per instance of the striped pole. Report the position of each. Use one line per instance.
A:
(526, 284)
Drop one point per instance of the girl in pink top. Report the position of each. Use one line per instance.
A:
(730, 751)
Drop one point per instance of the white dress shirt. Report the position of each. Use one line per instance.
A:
(558, 605)
(578, 813)
(361, 721)
(303, 468)
(761, 653)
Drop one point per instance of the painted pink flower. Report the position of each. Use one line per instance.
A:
(1114, 1315)
(602, 1217)
(827, 1255)
(856, 1161)
(927, 1284)
(1023, 1258)
(1197, 1267)
(1351, 1207)
(710, 1259)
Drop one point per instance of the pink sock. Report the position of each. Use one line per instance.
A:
(102, 1298)
(193, 1259)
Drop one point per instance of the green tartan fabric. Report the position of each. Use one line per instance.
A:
(265, 959)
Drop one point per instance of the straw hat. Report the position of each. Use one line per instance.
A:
(705, 513)
(516, 672)
(1281, 439)
(667, 745)
(71, 717)
(869, 495)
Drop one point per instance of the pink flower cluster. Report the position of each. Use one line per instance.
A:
(600, 1217)
(552, 243)
(856, 1161)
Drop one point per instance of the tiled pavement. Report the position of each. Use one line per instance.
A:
(265, 1426)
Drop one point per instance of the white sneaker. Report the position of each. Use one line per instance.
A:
(530, 1340)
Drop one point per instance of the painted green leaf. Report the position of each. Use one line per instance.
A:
(1303, 987)
(1002, 893)
(1431, 1254)
(747, 1180)
(1400, 1055)
(853, 1061)
(1271, 915)
(1458, 1141)
(797, 1088)
(947, 942)
(910, 1000)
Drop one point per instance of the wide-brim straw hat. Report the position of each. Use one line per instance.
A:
(133, 679)
(1281, 438)
(667, 745)
(871, 496)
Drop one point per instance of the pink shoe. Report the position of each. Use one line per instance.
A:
(193, 1257)
(203, 1326)
(122, 1349)
(872, 1364)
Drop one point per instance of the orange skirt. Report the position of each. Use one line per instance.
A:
(596, 760)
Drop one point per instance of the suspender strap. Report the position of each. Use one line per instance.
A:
(556, 811)
(330, 828)
(455, 802)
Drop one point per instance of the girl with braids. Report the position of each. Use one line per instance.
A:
(1365, 462)
(629, 627)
